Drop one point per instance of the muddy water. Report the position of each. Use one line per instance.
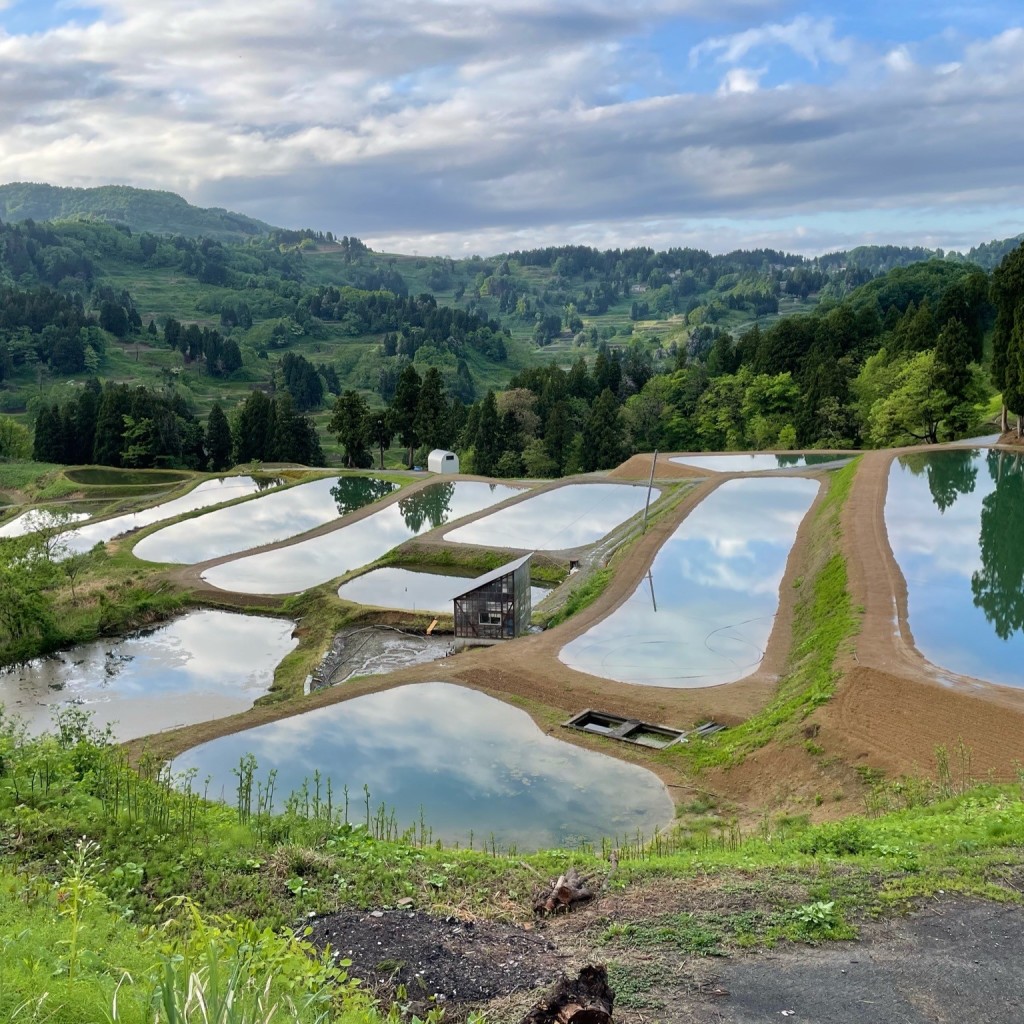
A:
(704, 614)
(566, 517)
(319, 559)
(265, 520)
(411, 590)
(760, 462)
(470, 762)
(955, 521)
(209, 492)
(204, 665)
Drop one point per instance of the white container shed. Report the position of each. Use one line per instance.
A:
(440, 461)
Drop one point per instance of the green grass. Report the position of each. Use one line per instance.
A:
(583, 596)
(824, 621)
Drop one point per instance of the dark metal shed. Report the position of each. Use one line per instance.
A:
(497, 605)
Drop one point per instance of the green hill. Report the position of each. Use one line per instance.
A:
(162, 213)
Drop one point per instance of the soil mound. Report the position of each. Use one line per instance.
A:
(446, 958)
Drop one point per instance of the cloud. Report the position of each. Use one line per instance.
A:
(446, 125)
(810, 38)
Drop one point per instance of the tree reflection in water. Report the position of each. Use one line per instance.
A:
(997, 585)
(953, 474)
(430, 505)
(355, 492)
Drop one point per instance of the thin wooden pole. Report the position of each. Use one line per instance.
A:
(650, 485)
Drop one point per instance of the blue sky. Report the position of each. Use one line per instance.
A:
(483, 125)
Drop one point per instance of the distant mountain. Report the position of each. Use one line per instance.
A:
(162, 213)
(989, 255)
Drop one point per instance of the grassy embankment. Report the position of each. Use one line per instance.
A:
(824, 622)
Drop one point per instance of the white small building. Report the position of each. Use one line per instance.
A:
(440, 461)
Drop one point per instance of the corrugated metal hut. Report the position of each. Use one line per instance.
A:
(496, 606)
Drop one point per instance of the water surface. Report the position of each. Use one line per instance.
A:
(209, 492)
(37, 519)
(758, 462)
(955, 521)
(567, 517)
(204, 665)
(322, 558)
(412, 590)
(704, 614)
(265, 520)
(472, 763)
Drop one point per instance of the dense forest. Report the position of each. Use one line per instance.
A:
(543, 362)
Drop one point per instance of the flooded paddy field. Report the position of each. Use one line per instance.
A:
(569, 516)
(465, 762)
(209, 492)
(332, 554)
(264, 520)
(38, 519)
(955, 521)
(758, 462)
(413, 590)
(204, 665)
(704, 613)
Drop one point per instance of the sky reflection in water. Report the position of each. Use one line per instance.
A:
(209, 492)
(469, 761)
(204, 665)
(566, 517)
(412, 591)
(955, 521)
(705, 614)
(319, 559)
(266, 520)
(759, 462)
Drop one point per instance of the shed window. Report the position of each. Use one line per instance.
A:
(490, 618)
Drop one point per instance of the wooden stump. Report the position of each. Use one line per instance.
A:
(563, 893)
(583, 1000)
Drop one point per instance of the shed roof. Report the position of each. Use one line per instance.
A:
(494, 574)
(441, 451)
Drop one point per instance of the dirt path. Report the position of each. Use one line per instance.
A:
(893, 707)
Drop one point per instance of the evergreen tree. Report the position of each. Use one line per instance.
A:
(603, 434)
(432, 411)
(487, 444)
(350, 422)
(254, 433)
(218, 439)
(404, 408)
(115, 404)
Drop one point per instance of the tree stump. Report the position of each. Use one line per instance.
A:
(583, 1000)
(563, 893)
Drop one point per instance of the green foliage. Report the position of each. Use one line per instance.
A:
(582, 595)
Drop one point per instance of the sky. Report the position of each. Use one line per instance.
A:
(483, 126)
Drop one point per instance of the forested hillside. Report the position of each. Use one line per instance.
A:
(546, 362)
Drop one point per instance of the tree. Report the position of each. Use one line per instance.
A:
(380, 430)
(1008, 334)
(603, 434)
(218, 439)
(404, 408)
(15, 440)
(255, 428)
(537, 463)
(350, 423)
(432, 411)
(487, 446)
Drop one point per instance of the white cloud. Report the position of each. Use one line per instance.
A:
(810, 38)
(465, 127)
(741, 80)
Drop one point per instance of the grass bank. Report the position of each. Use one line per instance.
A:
(824, 622)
